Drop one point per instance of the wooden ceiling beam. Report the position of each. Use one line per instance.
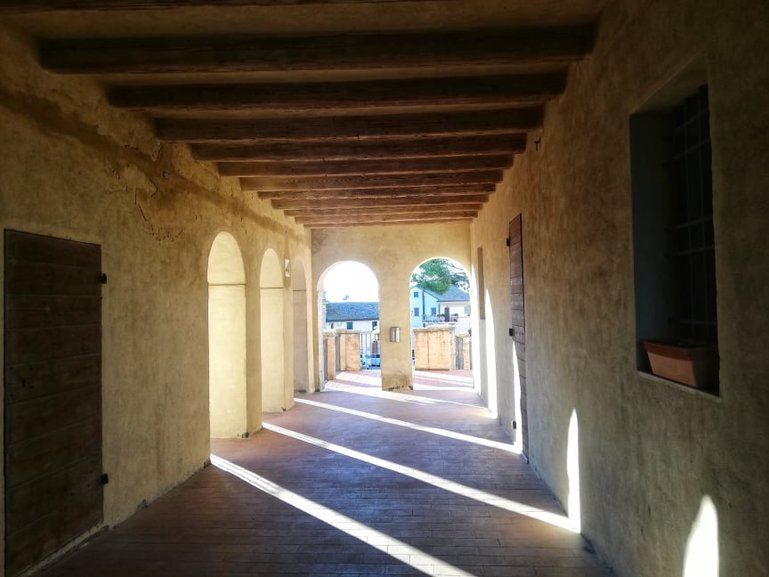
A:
(382, 220)
(376, 193)
(370, 167)
(341, 224)
(337, 52)
(373, 94)
(413, 201)
(30, 6)
(379, 210)
(475, 123)
(366, 150)
(258, 183)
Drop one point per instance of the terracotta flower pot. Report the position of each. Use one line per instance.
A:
(691, 364)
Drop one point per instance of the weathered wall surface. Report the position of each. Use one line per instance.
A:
(649, 452)
(74, 168)
(434, 348)
(392, 253)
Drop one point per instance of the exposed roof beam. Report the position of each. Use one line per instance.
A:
(371, 194)
(417, 148)
(378, 210)
(386, 220)
(368, 181)
(370, 167)
(485, 122)
(458, 91)
(390, 202)
(117, 5)
(338, 52)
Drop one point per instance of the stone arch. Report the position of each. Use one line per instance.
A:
(440, 332)
(227, 338)
(344, 352)
(272, 307)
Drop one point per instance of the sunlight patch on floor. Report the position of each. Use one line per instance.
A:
(379, 394)
(396, 549)
(484, 497)
(466, 380)
(425, 429)
(369, 379)
(400, 397)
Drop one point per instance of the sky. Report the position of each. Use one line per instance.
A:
(351, 279)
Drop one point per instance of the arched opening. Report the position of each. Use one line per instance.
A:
(440, 312)
(271, 295)
(227, 338)
(302, 340)
(348, 295)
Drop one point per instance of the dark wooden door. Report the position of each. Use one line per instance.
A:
(518, 331)
(52, 399)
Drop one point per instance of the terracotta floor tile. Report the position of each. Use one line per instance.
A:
(399, 471)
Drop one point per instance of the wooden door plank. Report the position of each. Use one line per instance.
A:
(39, 278)
(30, 311)
(27, 381)
(30, 419)
(38, 344)
(518, 319)
(52, 398)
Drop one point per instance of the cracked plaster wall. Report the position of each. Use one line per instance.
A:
(72, 167)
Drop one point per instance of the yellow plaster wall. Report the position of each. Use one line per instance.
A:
(648, 452)
(72, 167)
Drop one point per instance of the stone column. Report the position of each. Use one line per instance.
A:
(329, 338)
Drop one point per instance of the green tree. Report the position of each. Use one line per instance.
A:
(438, 274)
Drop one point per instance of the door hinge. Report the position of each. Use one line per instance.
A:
(515, 425)
(103, 278)
(511, 332)
(507, 241)
(104, 478)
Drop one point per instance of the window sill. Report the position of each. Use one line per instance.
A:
(702, 393)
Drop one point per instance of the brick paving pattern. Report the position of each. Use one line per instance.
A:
(355, 482)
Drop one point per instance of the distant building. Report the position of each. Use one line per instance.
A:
(362, 317)
(429, 307)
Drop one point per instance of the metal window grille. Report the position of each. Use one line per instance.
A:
(692, 238)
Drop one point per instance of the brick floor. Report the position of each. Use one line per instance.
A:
(414, 483)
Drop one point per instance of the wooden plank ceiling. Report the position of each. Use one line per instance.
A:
(374, 123)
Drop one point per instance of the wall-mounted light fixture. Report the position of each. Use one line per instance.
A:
(395, 334)
(287, 268)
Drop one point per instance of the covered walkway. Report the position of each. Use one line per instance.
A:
(354, 481)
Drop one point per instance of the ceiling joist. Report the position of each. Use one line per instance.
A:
(338, 52)
(363, 167)
(370, 194)
(120, 5)
(364, 150)
(369, 181)
(337, 212)
(370, 94)
(385, 220)
(390, 126)
(412, 201)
